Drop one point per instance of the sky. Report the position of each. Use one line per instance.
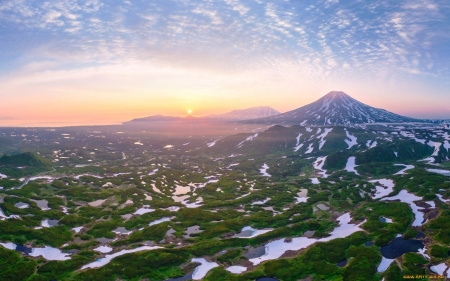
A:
(68, 62)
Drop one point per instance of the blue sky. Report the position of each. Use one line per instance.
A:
(107, 61)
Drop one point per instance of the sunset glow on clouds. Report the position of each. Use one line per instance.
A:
(100, 62)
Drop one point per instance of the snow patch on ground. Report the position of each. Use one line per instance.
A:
(318, 165)
(263, 170)
(351, 141)
(322, 137)
(402, 172)
(385, 263)
(277, 248)
(298, 145)
(203, 269)
(103, 261)
(350, 166)
(409, 198)
(236, 269)
(381, 190)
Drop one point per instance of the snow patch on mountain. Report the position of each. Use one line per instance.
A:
(336, 108)
(351, 141)
(322, 137)
(250, 138)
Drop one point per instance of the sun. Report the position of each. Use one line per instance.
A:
(189, 111)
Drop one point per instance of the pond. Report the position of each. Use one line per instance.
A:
(400, 246)
(342, 263)
(182, 278)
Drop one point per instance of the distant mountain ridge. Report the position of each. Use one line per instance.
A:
(235, 115)
(335, 108)
(246, 114)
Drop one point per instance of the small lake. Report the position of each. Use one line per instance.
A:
(342, 263)
(400, 246)
(182, 278)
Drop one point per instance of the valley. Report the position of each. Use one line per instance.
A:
(289, 202)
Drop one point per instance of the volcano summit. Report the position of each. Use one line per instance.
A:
(335, 108)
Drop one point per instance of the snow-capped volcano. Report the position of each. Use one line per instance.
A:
(245, 114)
(336, 108)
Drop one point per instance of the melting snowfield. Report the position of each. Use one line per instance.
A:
(48, 253)
(351, 141)
(249, 232)
(102, 261)
(159, 221)
(406, 197)
(236, 269)
(277, 248)
(318, 165)
(402, 172)
(440, 268)
(350, 166)
(263, 170)
(201, 270)
(385, 263)
(438, 171)
(381, 190)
